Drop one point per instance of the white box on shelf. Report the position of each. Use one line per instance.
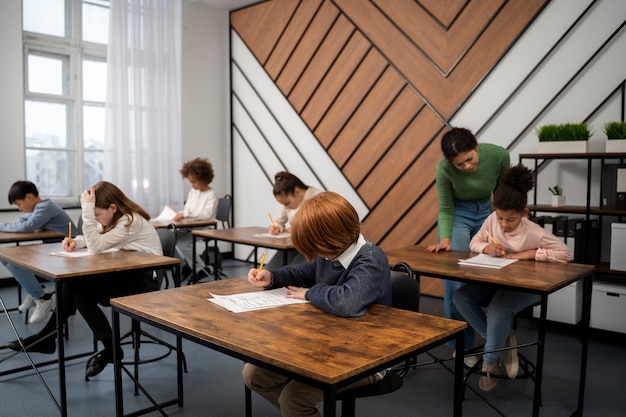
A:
(618, 243)
(565, 305)
(608, 307)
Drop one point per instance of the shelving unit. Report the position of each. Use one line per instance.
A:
(566, 300)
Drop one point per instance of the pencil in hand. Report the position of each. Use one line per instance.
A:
(262, 262)
(495, 242)
(69, 233)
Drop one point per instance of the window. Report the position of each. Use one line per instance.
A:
(65, 90)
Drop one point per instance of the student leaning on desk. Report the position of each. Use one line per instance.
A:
(466, 176)
(507, 233)
(344, 275)
(110, 220)
(290, 192)
(201, 204)
(40, 214)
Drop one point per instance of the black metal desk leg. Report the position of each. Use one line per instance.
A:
(194, 278)
(61, 348)
(179, 369)
(459, 386)
(540, 351)
(330, 402)
(587, 288)
(117, 365)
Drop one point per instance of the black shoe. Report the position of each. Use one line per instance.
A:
(98, 362)
(35, 343)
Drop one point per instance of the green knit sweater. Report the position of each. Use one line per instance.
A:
(454, 184)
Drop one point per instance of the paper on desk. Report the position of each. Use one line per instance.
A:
(280, 235)
(487, 261)
(256, 300)
(167, 214)
(80, 252)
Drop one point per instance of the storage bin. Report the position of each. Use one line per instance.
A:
(608, 307)
(618, 246)
(565, 305)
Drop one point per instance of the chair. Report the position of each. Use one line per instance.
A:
(405, 294)
(213, 256)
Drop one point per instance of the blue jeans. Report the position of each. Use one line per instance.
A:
(468, 217)
(26, 279)
(495, 324)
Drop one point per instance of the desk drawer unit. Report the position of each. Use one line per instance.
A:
(608, 307)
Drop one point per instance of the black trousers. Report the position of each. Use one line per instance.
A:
(86, 296)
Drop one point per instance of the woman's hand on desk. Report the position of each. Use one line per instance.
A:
(259, 279)
(68, 245)
(274, 230)
(444, 245)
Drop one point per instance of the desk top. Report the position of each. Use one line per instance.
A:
(184, 224)
(246, 235)
(37, 258)
(538, 277)
(15, 237)
(298, 338)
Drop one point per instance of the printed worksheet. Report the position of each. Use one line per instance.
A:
(487, 261)
(80, 252)
(256, 300)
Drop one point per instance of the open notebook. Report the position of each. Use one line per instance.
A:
(487, 261)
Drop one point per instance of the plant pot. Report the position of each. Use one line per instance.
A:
(616, 145)
(558, 200)
(569, 146)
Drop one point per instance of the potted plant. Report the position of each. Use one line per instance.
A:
(563, 138)
(558, 199)
(616, 136)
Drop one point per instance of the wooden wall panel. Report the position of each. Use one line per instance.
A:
(298, 24)
(377, 82)
(371, 109)
(320, 63)
(309, 43)
(339, 74)
(396, 119)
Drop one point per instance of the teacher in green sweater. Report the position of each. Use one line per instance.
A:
(466, 176)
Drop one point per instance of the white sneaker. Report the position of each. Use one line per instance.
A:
(28, 302)
(42, 308)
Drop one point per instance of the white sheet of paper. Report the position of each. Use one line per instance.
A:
(256, 300)
(167, 214)
(280, 235)
(487, 261)
(80, 252)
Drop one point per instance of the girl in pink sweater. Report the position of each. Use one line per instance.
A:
(512, 236)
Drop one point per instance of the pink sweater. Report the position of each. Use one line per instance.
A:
(526, 236)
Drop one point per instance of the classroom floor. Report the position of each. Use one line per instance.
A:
(213, 386)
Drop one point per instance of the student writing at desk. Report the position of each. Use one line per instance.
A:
(40, 214)
(466, 176)
(508, 233)
(290, 192)
(201, 204)
(110, 220)
(344, 275)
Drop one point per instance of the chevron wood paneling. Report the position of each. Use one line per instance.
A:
(377, 81)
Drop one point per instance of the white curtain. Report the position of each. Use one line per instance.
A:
(143, 129)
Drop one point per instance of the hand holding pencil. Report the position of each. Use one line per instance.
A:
(274, 229)
(259, 277)
(498, 249)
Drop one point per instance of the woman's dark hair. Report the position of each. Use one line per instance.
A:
(285, 183)
(19, 190)
(200, 168)
(325, 224)
(457, 140)
(107, 194)
(513, 188)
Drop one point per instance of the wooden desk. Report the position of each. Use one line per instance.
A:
(61, 269)
(18, 237)
(245, 236)
(541, 278)
(313, 346)
(184, 224)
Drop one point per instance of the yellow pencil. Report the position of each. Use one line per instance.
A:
(271, 219)
(262, 261)
(492, 238)
(69, 232)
